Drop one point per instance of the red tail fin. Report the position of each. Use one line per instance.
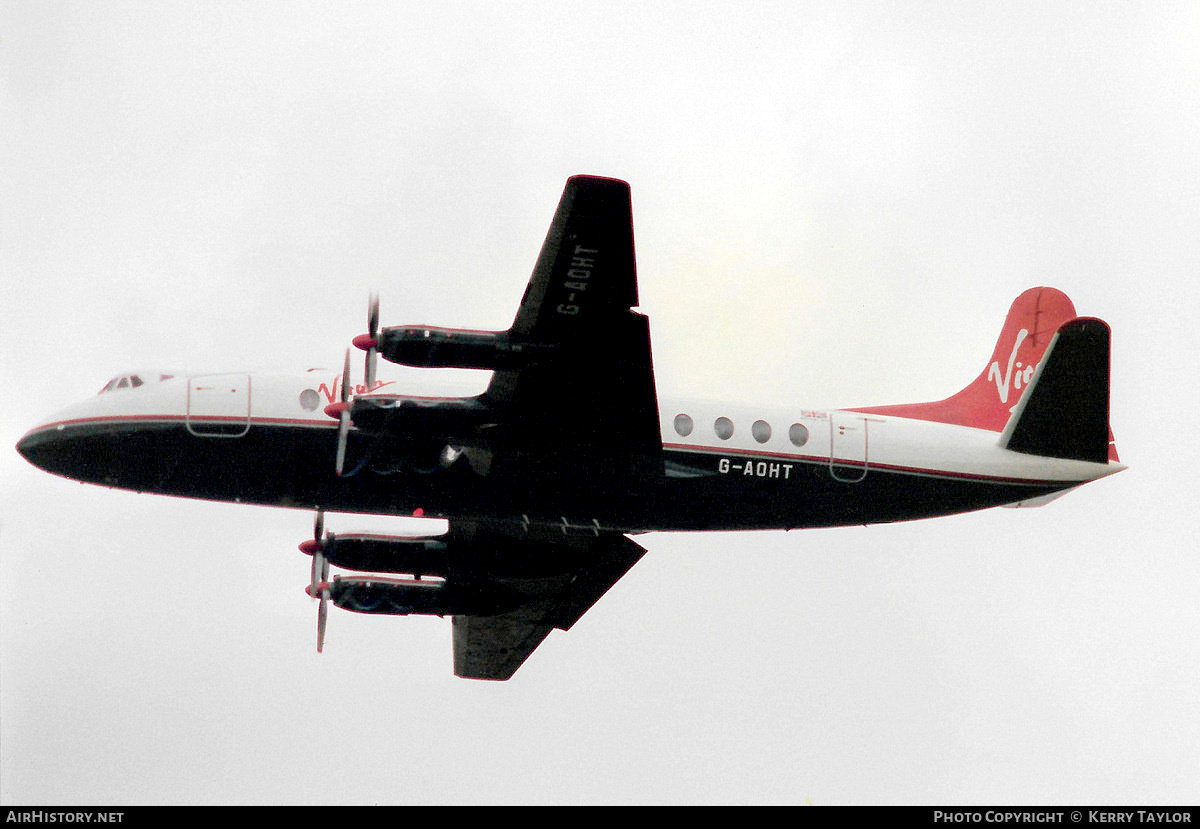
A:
(987, 403)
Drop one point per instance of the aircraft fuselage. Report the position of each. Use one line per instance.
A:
(265, 439)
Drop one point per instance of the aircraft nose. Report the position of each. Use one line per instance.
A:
(89, 456)
(25, 447)
(43, 448)
(58, 447)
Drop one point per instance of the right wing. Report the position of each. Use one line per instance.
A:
(494, 646)
(506, 586)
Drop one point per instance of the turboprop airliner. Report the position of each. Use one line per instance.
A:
(543, 477)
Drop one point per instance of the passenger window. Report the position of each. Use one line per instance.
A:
(683, 425)
(761, 430)
(723, 426)
(798, 434)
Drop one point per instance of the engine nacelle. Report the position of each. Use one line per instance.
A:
(420, 556)
(402, 597)
(501, 557)
(425, 346)
(439, 418)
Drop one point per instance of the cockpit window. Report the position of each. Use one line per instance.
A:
(132, 381)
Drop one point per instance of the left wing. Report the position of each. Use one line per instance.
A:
(571, 405)
(584, 408)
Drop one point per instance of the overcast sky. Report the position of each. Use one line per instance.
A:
(834, 204)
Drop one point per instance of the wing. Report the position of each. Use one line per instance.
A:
(588, 395)
(566, 431)
(586, 271)
(584, 409)
(494, 646)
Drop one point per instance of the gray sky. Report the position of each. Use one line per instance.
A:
(834, 205)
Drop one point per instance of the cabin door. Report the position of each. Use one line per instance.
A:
(848, 447)
(218, 405)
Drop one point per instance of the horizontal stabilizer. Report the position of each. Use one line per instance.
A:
(1040, 500)
(1064, 413)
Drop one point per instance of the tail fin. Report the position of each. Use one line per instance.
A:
(989, 401)
(1064, 413)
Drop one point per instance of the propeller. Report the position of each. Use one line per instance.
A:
(341, 410)
(318, 586)
(369, 342)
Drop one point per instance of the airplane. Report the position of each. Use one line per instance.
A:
(543, 478)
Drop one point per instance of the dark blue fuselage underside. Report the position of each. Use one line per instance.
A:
(292, 466)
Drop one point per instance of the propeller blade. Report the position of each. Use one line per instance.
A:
(323, 607)
(318, 586)
(314, 578)
(372, 340)
(315, 547)
(343, 418)
(343, 431)
(322, 615)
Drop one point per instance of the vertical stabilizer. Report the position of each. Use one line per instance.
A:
(988, 402)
